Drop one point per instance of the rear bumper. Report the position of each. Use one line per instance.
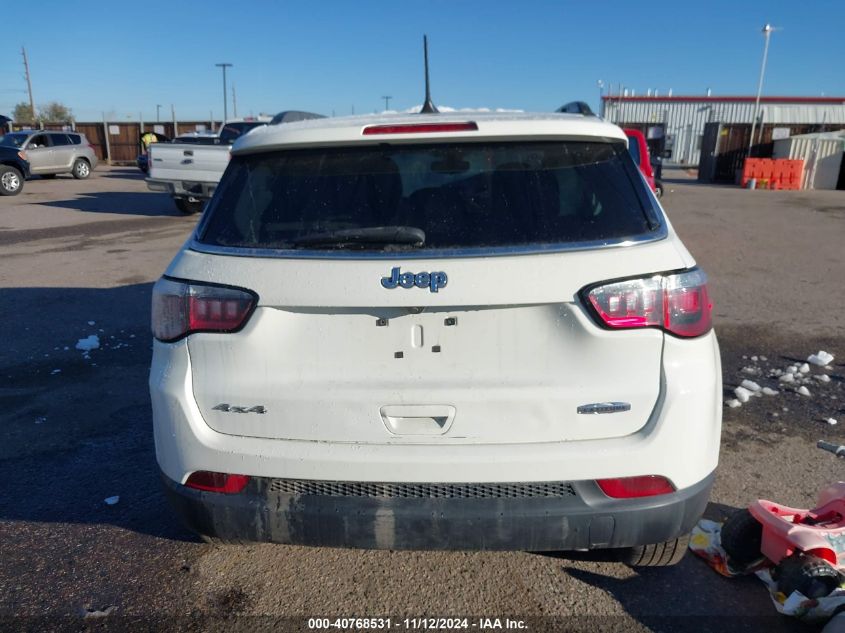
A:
(183, 189)
(585, 519)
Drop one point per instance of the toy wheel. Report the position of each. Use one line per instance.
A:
(812, 576)
(741, 537)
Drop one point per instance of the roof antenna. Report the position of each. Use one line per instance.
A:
(428, 106)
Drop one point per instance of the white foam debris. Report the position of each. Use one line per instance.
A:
(87, 344)
(821, 359)
(785, 409)
(763, 358)
(789, 377)
(822, 377)
(56, 371)
(41, 420)
(775, 414)
(792, 369)
(65, 348)
(742, 394)
(804, 369)
(770, 392)
(733, 403)
(803, 391)
(92, 322)
(112, 500)
(754, 358)
(744, 357)
(752, 370)
(750, 385)
(831, 421)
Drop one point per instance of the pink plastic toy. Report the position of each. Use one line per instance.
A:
(805, 547)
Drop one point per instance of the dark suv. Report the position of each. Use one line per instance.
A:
(54, 152)
(14, 169)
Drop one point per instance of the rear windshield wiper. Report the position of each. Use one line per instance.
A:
(364, 237)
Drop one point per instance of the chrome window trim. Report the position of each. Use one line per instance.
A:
(660, 233)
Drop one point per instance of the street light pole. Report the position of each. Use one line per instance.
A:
(224, 66)
(600, 84)
(387, 102)
(158, 112)
(767, 33)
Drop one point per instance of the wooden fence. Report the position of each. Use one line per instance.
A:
(120, 142)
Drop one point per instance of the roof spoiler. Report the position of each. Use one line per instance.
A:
(289, 116)
(576, 107)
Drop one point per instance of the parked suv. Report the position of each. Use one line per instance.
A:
(437, 331)
(52, 153)
(14, 170)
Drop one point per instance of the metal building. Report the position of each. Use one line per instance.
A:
(681, 119)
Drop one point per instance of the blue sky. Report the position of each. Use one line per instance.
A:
(123, 58)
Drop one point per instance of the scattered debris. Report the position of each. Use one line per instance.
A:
(831, 421)
(55, 371)
(750, 385)
(92, 322)
(803, 391)
(733, 403)
(112, 500)
(92, 614)
(41, 420)
(770, 392)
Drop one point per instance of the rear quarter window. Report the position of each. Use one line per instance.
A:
(461, 195)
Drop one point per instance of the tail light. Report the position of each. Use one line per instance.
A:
(677, 303)
(633, 487)
(181, 308)
(217, 482)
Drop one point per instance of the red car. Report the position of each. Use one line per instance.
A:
(639, 152)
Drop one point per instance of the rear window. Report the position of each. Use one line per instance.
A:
(232, 131)
(634, 149)
(461, 196)
(13, 140)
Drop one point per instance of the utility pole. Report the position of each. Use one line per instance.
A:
(158, 112)
(767, 33)
(28, 83)
(224, 66)
(387, 99)
(234, 102)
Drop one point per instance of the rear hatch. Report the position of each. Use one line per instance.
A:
(188, 162)
(363, 333)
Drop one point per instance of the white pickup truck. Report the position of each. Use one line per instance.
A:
(189, 172)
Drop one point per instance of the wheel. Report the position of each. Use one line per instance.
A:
(48, 176)
(188, 206)
(81, 169)
(655, 555)
(658, 189)
(741, 538)
(812, 576)
(11, 181)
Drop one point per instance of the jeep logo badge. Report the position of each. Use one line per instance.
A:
(433, 281)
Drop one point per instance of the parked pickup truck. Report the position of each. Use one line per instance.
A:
(189, 172)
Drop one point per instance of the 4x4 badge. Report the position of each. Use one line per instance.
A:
(434, 281)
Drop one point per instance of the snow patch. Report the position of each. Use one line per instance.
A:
(87, 344)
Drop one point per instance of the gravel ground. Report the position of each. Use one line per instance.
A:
(80, 251)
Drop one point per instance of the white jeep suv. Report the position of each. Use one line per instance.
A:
(437, 331)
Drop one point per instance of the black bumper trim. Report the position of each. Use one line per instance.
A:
(586, 520)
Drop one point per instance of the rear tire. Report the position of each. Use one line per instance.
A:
(812, 576)
(188, 207)
(655, 555)
(742, 536)
(11, 181)
(81, 169)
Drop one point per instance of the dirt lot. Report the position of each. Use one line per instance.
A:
(79, 258)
